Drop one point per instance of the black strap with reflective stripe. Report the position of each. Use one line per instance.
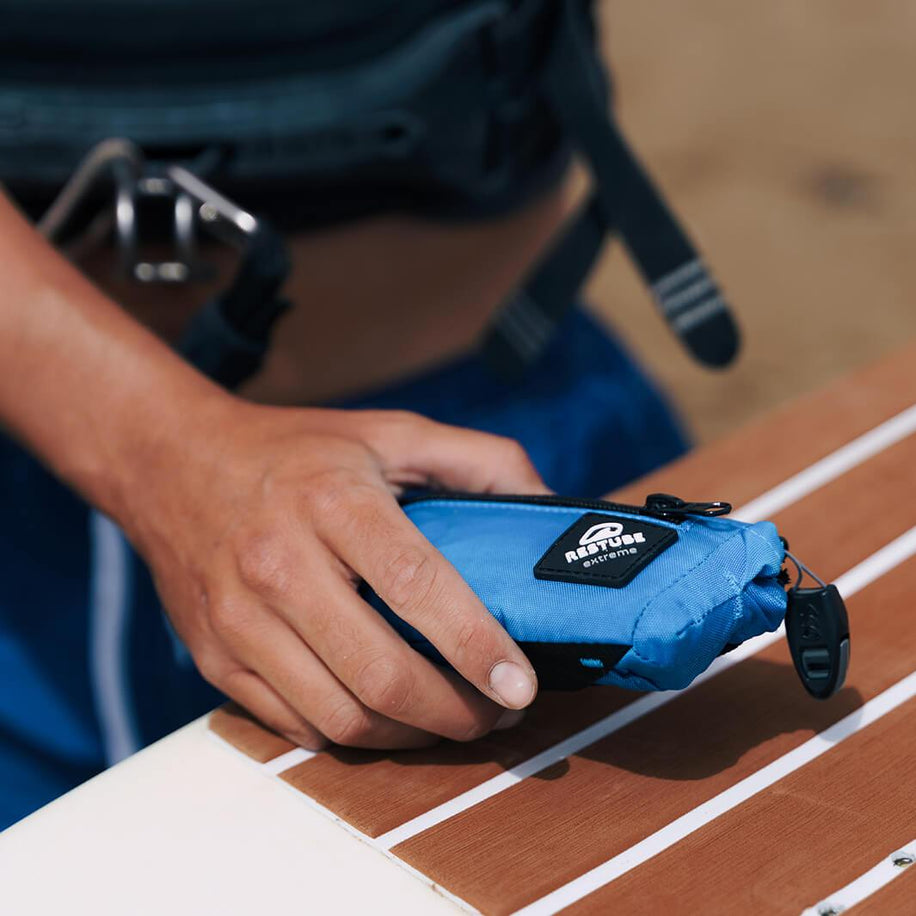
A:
(625, 200)
(525, 325)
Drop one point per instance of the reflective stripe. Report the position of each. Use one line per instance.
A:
(523, 323)
(683, 274)
(673, 302)
(697, 314)
(110, 587)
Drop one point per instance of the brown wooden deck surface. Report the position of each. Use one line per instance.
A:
(783, 849)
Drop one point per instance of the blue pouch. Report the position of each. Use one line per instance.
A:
(602, 593)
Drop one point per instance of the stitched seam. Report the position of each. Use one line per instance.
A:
(753, 531)
(655, 598)
(739, 595)
(693, 623)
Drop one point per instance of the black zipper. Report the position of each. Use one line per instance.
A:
(657, 505)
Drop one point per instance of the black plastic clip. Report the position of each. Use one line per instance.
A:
(817, 628)
(664, 505)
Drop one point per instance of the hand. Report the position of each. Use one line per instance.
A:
(258, 534)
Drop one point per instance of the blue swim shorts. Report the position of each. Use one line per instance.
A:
(90, 670)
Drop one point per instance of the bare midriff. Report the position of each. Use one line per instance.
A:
(373, 301)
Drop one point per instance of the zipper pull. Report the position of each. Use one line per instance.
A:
(664, 505)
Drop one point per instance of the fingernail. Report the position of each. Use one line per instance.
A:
(509, 719)
(511, 684)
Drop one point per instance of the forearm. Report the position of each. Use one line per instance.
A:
(96, 396)
(257, 523)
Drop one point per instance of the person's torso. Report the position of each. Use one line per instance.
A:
(428, 233)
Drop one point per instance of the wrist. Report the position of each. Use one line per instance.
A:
(102, 401)
(159, 455)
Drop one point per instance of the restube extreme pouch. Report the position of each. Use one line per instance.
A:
(642, 597)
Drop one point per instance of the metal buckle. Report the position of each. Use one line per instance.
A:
(194, 205)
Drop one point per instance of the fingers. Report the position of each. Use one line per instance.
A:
(253, 694)
(307, 585)
(270, 648)
(456, 458)
(292, 639)
(374, 537)
(386, 674)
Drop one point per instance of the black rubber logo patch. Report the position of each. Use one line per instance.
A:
(604, 550)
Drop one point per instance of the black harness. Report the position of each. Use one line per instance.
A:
(624, 201)
(470, 113)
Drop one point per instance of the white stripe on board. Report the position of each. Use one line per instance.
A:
(795, 488)
(678, 829)
(273, 767)
(560, 751)
(848, 584)
(855, 579)
(287, 761)
(882, 561)
(109, 607)
(865, 885)
(769, 503)
(829, 468)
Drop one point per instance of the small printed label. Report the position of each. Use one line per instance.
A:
(604, 550)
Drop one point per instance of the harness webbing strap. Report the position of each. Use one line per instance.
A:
(482, 105)
(625, 198)
(523, 328)
(228, 338)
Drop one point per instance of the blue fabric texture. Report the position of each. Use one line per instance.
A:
(715, 585)
(590, 419)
